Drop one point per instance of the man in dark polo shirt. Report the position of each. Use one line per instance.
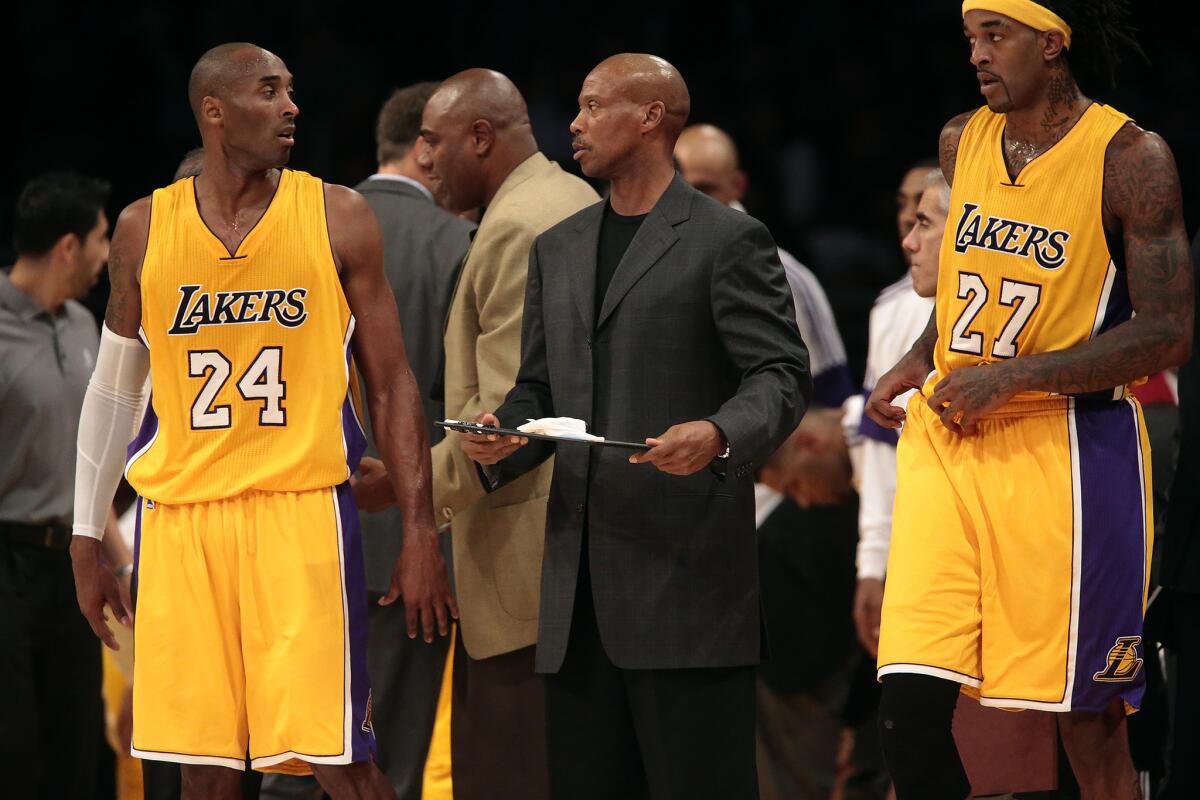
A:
(50, 728)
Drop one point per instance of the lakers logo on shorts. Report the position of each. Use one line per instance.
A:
(1123, 663)
(367, 725)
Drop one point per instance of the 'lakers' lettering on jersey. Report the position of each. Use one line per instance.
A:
(249, 353)
(1000, 235)
(1025, 266)
(198, 307)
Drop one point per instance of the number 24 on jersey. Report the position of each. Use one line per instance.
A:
(260, 381)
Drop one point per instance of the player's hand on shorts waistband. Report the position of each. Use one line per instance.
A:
(868, 610)
(908, 374)
(491, 448)
(420, 579)
(372, 488)
(966, 395)
(96, 587)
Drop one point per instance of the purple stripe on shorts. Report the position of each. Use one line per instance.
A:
(137, 551)
(145, 433)
(362, 741)
(1113, 569)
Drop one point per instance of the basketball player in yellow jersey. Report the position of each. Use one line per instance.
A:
(248, 286)
(1021, 528)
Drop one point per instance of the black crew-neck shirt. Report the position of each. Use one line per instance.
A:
(616, 232)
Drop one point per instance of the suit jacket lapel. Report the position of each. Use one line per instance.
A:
(583, 273)
(653, 239)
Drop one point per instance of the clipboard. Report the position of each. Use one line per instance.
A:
(471, 427)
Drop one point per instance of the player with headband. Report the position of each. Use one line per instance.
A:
(1022, 524)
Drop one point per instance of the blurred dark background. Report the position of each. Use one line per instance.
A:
(828, 104)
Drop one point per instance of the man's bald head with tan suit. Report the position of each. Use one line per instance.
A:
(481, 146)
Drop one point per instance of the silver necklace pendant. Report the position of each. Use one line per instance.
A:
(1024, 152)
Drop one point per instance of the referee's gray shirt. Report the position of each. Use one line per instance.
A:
(45, 363)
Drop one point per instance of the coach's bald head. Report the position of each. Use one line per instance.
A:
(643, 78)
(708, 160)
(241, 95)
(631, 105)
(482, 94)
(477, 129)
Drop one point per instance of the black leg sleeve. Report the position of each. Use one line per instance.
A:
(915, 714)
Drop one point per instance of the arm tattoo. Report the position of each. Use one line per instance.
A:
(948, 144)
(1142, 199)
(118, 313)
(923, 347)
(124, 313)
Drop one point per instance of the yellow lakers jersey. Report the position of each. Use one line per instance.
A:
(1025, 267)
(249, 353)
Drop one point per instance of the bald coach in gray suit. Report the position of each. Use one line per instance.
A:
(656, 313)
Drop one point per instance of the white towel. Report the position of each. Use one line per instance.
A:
(565, 427)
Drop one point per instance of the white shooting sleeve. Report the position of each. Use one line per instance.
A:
(106, 426)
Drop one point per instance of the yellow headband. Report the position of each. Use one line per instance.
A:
(1027, 12)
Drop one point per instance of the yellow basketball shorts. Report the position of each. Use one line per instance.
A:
(250, 632)
(1020, 555)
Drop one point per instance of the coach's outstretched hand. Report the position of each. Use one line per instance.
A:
(419, 577)
(96, 587)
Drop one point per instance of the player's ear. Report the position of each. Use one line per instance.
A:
(1054, 45)
(210, 109)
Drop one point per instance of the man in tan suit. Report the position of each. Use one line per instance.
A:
(481, 146)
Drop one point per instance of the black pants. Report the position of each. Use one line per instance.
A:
(1184, 772)
(51, 716)
(406, 675)
(661, 733)
(498, 727)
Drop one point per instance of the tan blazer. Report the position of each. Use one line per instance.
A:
(497, 537)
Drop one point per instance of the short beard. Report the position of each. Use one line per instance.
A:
(1002, 105)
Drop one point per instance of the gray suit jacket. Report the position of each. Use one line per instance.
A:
(698, 323)
(423, 248)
